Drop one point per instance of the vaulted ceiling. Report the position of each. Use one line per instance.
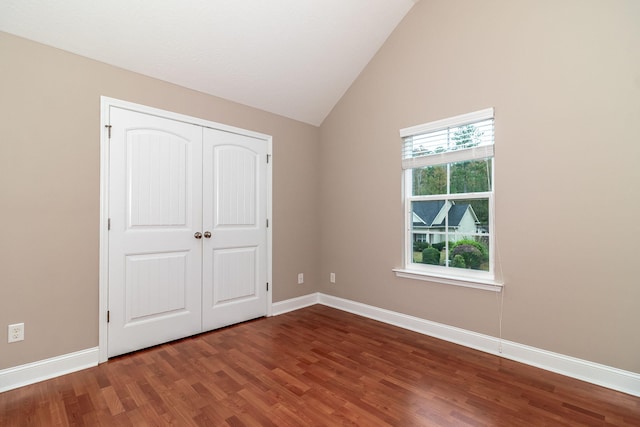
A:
(294, 58)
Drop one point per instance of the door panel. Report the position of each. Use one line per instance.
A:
(234, 274)
(169, 180)
(236, 189)
(155, 209)
(156, 179)
(155, 285)
(234, 211)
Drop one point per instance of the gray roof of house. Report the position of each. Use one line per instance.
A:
(428, 210)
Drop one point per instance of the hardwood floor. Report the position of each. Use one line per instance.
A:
(314, 367)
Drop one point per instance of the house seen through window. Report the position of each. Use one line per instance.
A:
(449, 196)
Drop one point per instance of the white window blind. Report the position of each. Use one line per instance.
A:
(464, 137)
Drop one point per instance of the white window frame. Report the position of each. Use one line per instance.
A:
(443, 274)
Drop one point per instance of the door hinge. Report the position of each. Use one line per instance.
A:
(109, 130)
(268, 157)
(108, 223)
(267, 222)
(267, 286)
(108, 316)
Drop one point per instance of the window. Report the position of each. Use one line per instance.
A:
(448, 192)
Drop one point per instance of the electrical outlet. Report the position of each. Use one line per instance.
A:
(300, 278)
(332, 277)
(16, 332)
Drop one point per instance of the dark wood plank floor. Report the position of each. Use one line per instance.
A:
(314, 367)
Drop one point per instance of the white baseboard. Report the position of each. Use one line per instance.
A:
(595, 373)
(294, 304)
(606, 376)
(41, 370)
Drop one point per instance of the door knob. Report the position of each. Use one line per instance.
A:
(207, 234)
(198, 235)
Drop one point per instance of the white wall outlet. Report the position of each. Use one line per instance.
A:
(332, 277)
(16, 332)
(300, 278)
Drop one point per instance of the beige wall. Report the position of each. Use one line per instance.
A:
(49, 190)
(564, 78)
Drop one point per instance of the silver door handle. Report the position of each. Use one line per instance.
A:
(207, 234)
(198, 235)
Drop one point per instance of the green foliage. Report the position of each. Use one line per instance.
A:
(430, 180)
(458, 262)
(431, 256)
(420, 246)
(472, 255)
(470, 176)
(464, 177)
(474, 175)
(481, 247)
(440, 246)
(481, 208)
(475, 254)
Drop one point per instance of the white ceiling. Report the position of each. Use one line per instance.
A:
(295, 58)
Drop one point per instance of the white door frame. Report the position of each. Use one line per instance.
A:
(103, 281)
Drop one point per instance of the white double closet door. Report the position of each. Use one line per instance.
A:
(187, 238)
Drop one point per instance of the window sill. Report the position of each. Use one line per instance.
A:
(487, 285)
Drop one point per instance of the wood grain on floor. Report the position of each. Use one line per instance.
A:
(314, 367)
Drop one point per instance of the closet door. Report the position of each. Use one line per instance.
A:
(234, 223)
(155, 210)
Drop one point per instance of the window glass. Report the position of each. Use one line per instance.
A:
(449, 174)
(472, 176)
(430, 180)
(444, 228)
